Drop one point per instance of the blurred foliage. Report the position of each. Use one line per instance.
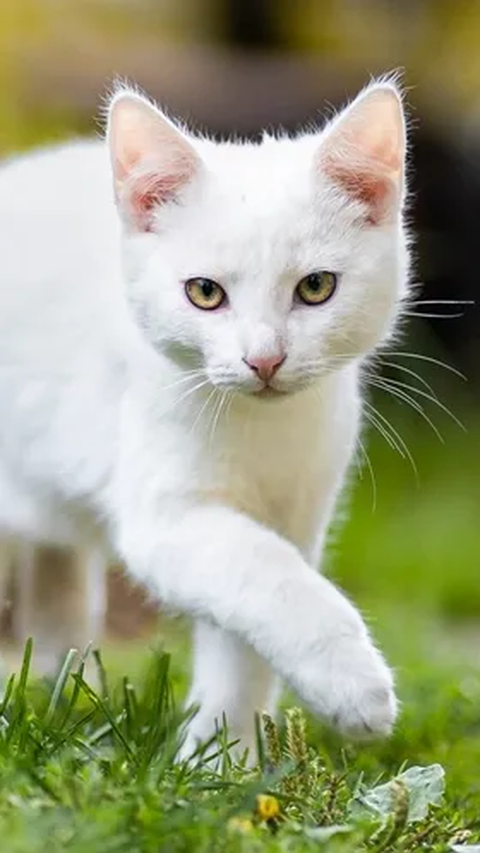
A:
(412, 535)
(437, 41)
(32, 31)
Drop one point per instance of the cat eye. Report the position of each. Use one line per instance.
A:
(316, 288)
(205, 293)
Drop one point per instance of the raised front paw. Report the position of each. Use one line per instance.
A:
(351, 687)
(364, 704)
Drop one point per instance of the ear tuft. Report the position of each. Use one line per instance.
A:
(364, 151)
(151, 159)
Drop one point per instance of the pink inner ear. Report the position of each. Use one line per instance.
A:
(374, 189)
(148, 188)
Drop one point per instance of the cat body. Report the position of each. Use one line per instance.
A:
(170, 394)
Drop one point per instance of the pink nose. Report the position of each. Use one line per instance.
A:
(266, 367)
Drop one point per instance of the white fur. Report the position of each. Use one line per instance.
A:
(217, 498)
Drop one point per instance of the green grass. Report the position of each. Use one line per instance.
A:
(86, 771)
(81, 771)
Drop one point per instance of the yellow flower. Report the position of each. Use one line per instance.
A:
(240, 824)
(268, 807)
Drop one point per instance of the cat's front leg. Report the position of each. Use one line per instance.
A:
(222, 566)
(231, 679)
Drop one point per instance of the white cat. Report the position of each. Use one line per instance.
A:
(180, 380)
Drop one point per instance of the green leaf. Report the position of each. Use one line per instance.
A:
(425, 787)
(465, 848)
(325, 833)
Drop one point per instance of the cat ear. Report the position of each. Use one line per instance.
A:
(364, 151)
(151, 159)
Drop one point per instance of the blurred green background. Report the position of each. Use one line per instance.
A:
(408, 545)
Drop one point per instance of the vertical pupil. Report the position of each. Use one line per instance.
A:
(315, 282)
(207, 289)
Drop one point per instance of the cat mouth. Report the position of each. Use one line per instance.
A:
(269, 393)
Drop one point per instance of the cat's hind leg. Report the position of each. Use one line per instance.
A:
(6, 566)
(6, 569)
(229, 680)
(60, 601)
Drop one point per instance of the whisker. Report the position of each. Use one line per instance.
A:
(428, 397)
(216, 417)
(372, 474)
(202, 409)
(396, 440)
(193, 374)
(373, 419)
(404, 369)
(184, 396)
(442, 302)
(429, 358)
(231, 398)
(378, 427)
(429, 316)
(414, 404)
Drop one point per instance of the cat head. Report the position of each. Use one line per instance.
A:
(266, 265)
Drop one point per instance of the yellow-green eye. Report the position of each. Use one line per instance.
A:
(316, 287)
(205, 293)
